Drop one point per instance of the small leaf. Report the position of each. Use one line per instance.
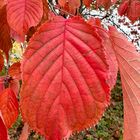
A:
(23, 14)
(14, 71)
(130, 8)
(129, 65)
(105, 3)
(70, 6)
(8, 106)
(64, 75)
(87, 2)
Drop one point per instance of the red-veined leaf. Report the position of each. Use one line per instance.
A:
(129, 65)
(45, 17)
(8, 106)
(5, 41)
(3, 131)
(23, 14)
(64, 79)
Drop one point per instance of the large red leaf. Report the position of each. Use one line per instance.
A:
(8, 106)
(3, 131)
(23, 14)
(5, 41)
(64, 78)
(129, 65)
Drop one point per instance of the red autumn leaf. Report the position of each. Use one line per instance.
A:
(130, 8)
(105, 3)
(45, 17)
(129, 65)
(14, 71)
(15, 86)
(74, 3)
(94, 21)
(23, 14)
(123, 7)
(3, 131)
(62, 2)
(64, 79)
(110, 55)
(8, 106)
(5, 41)
(70, 5)
(134, 10)
(87, 2)
(1, 62)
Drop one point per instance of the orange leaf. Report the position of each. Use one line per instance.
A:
(14, 71)
(70, 6)
(8, 106)
(129, 65)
